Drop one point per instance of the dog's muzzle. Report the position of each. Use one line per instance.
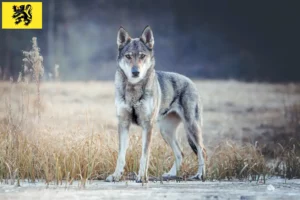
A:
(135, 71)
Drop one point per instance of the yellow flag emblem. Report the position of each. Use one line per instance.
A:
(22, 15)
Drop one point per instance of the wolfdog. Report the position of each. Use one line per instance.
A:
(144, 96)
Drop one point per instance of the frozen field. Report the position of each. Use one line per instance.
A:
(273, 189)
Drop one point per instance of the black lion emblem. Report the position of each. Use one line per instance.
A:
(22, 12)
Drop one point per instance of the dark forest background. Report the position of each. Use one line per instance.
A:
(244, 40)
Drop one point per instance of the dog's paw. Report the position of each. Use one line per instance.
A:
(166, 175)
(170, 176)
(112, 178)
(203, 177)
(138, 181)
(141, 180)
(197, 177)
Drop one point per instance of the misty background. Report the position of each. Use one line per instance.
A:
(244, 40)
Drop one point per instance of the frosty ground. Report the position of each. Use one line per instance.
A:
(273, 189)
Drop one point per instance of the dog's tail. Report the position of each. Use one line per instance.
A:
(192, 144)
(196, 135)
(194, 148)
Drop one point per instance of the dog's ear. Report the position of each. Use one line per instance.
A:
(123, 38)
(147, 37)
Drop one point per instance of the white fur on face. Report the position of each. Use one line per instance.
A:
(127, 70)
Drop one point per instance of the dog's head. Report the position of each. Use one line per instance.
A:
(135, 54)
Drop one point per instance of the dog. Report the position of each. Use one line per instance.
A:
(144, 97)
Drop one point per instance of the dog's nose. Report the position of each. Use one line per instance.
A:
(135, 72)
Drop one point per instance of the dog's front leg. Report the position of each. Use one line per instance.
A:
(148, 110)
(146, 140)
(123, 129)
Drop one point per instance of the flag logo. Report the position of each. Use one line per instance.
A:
(22, 15)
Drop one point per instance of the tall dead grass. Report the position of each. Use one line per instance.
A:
(43, 151)
(288, 148)
(34, 61)
(80, 152)
(232, 160)
(38, 152)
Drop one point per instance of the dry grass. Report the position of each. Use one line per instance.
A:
(77, 139)
(33, 60)
(80, 152)
(232, 160)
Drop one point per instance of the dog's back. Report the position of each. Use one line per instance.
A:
(175, 88)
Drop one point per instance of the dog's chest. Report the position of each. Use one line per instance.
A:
(133, 97)
(133, 94)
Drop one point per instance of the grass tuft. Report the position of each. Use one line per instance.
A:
(234, 160)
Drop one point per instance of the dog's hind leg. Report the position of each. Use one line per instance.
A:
(168, 126)
(192, 124)
(194, 135)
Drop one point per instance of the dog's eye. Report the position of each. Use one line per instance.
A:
(128, 57)
(142, 56)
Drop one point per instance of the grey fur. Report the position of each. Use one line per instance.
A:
(153, 97)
